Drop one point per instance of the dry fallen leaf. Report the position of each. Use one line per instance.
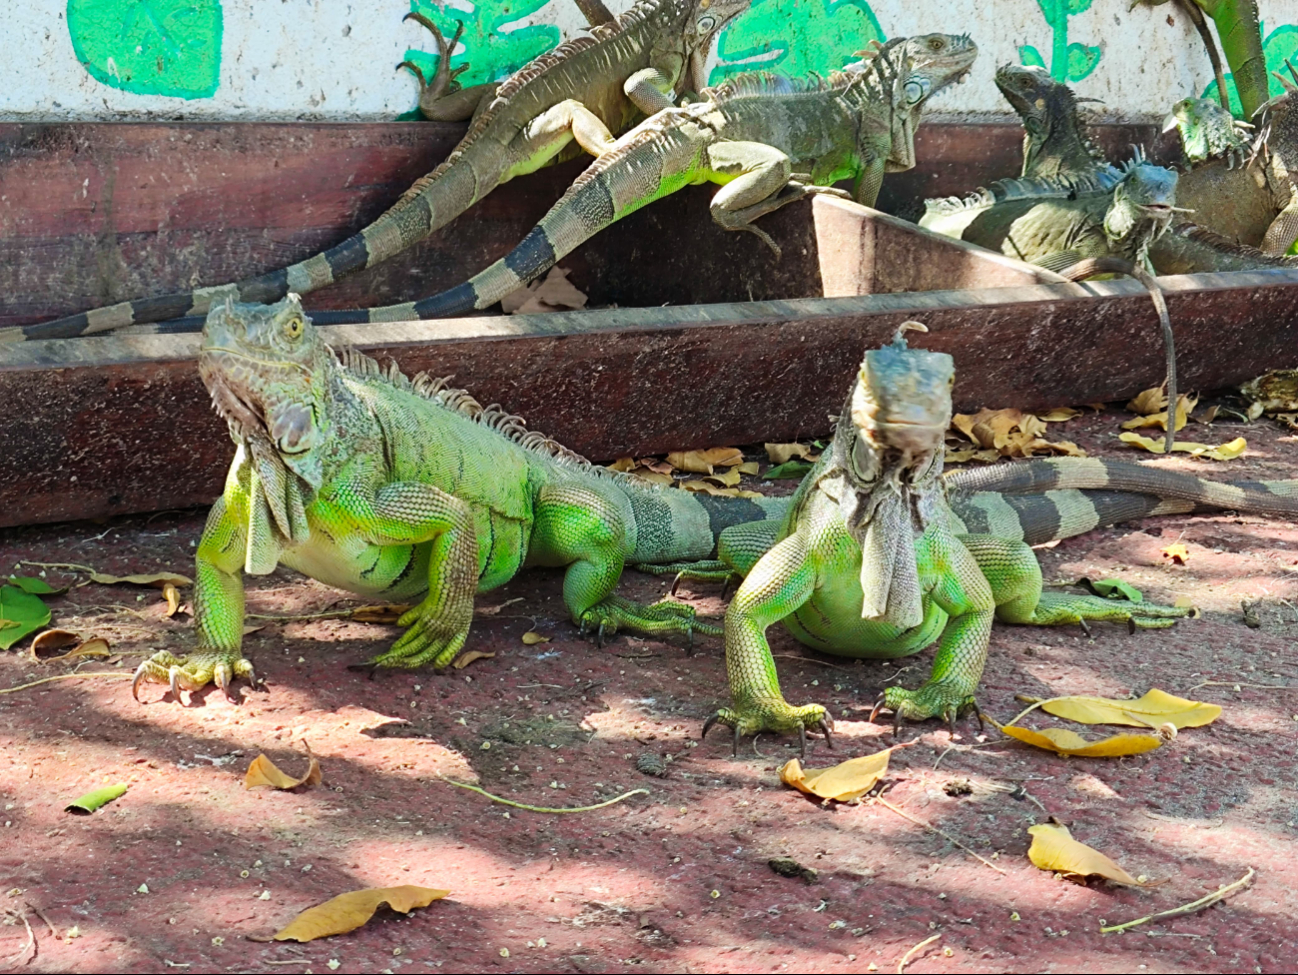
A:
(1053, 848)
(779, 453)
(1011, 433)
(172, 595)
(51, 640)
(844, 781)
(1207, 416)
(156, 579)
(1065, 742)
(349, 911)
(1149, 400)
(655, 477)
(705, 461)
(750, 467)
(728, 478)
(464, 659)
(715, 491)
(380, 612)
(532, 638)
(1151, 711)
(94, 647)
(1185, 405)
(263, 772)
(969, 454)
(1227, 451)
(1059, 414)
(1178, 553)
(555, 293)
(623, 464)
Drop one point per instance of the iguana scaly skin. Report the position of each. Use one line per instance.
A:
(407, 490)
(1054, 222)
(583, 90)
(1054, 137)
(766, 139)
(871, 561)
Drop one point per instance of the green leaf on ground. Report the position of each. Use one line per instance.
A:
(35, 586)
(21, 614)
(789, 469)
(1113, 589)
(93, 800)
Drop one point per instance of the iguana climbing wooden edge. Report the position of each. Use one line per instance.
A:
(584, 90)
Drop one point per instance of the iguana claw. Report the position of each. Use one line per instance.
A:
(776, 716)
(192, 672)
(930, 701)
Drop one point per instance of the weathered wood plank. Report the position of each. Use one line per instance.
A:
(111, 425)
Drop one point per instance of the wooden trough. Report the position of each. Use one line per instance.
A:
(746, 347)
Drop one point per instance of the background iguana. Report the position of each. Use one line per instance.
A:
(583, 90)
(1054, 136)
(768, 140)
(1055, 222)
(405, 489)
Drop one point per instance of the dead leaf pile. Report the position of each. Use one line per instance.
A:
(555, 293)
(1054, 849)
(349, 911)
(1009, 433)
(842, 782)
(722, 468)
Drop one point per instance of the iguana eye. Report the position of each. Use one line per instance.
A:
(935, 44)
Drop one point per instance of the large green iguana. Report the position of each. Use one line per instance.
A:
(1054, 222)
(404, 489)
(1054, 137)
(873, 561)
(768, 140)
(583, 90)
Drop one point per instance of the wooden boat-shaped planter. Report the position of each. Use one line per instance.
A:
(705, 338)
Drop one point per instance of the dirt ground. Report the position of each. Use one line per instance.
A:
(183, 869)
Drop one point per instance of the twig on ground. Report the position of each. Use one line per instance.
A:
(953, 748)
(1200, 904)
(543, 809)
(41, 914)
(1240, 683)
(809, 660)
(905, 959)
(46, 680)
(31, 940)
(942, 833)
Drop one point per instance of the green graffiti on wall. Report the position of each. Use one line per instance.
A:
(490, 53)
(1068, 62)
(795, 37)
(149, 47)
(1280, 44)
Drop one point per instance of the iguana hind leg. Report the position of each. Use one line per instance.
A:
(442, 99)
(582, 529)
(549, 133)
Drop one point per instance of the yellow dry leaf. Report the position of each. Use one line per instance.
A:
(349, 911)
(1012, 433)
(1227, 451)
(1149, 400)
(728, 478)
(532, 638)
(623, 464)
(844, 781)
(464, 659)
(1207, 416)
(1185, 405)
(380, 612)
(264, 772)
(655, 477)
(94, 647)
(1153, 710)
(704, 461)
(156, 579)
(1059, 414)
(1178, 553)
(964, 456)
(1053, 848)
(172, 595)
(1065, 742)
(780, 453)
(718, 492)
(749, 467)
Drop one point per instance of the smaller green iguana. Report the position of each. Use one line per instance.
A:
(584, 90)
(880, 556)
(1054, 222)
(1054, 136)
(407, 490)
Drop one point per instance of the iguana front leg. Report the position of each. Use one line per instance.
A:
(442, 99)
(781, 582)
(218, 614)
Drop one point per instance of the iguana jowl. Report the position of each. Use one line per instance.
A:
(583, 90)
(407, 490)
(766, 139)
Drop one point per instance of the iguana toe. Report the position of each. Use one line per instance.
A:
(933, 700)
(773, 715)
(192, 672)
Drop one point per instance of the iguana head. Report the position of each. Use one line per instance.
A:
(889, 445)
(1048, 110)
(269, 371)
(925, 64)
(1143, 205)
(706, 19)
(1207, 131)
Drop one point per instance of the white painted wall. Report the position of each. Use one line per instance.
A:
(333, 59)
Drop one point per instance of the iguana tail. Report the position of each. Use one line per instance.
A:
(1051, 515)
(674, 526)
(1276, 498)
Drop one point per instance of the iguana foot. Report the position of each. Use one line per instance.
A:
(193, 671)
(933, 700)
(443, 82)
(434, 636)
(775, 715)
(1059, 609)
(665, 616)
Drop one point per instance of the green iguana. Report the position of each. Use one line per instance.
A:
(766, 139)
(1054, 137)
(407, 490)
(1055, 222)
(873, 561)
(583, 90)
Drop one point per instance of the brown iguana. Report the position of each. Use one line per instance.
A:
(584, 90)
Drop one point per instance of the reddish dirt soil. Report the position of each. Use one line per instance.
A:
(179, 872)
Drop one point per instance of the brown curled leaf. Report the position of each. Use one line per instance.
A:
(263, 772)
